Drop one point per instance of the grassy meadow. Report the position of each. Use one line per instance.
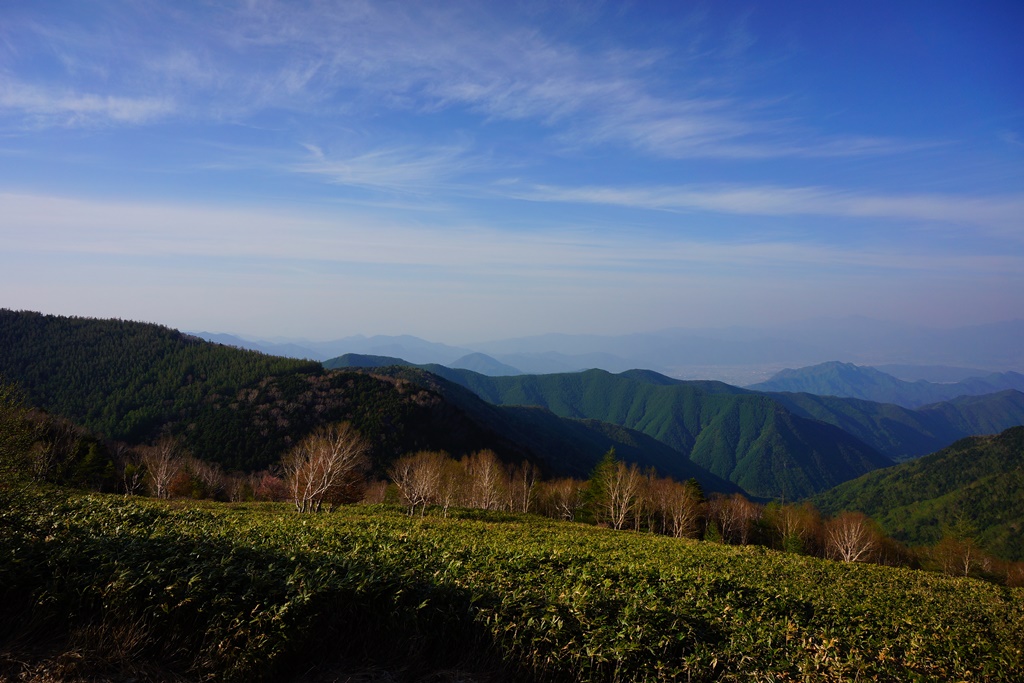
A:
(102, 585)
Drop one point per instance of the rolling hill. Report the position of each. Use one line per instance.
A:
(135, 381)
(740, 436)
(904, 433)
(897, 432)
(980, 479)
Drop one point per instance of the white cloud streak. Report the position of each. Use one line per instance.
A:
(997, 214)
(408, 169)
(43, 224)
(45, 106)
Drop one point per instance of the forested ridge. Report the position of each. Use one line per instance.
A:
(972, 491)
(904, 433)
(124, 379)
(743, 437)
(773, 444)
(137, 382)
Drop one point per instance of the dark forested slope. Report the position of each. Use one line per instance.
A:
(746, 438)
(904, 433)
(979, 480)
(124, 379)
(135, 382)
(771, 444)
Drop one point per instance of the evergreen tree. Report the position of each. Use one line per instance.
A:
(15, 433)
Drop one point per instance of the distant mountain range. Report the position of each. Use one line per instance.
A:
(852, 381)
(931, 373)
(979, 480)
(738, 355)
(772, 445)
(134, 381)
(485, 365)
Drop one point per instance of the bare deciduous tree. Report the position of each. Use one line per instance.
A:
(237, 487)
(646, 506)
(163, 462)
(622, 493)
(723, 513)
(326, 467)
(747, 513)
(956, 556)
(677, 507)
(850, 537)
(419, 478)
(129, 465)
(208, 479)
(796, 526)
(403, 474)
(269, 486)
(522, 479)
(958, 553)
(58, 442)
(485, 480)
(561, 498)
(375, 492)
(613, 490)
(735, 516)
(451, 484)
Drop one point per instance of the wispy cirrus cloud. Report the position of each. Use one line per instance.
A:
(358, 58)
(999, 214)
(65, 107)
(438, 60)
(398, 168)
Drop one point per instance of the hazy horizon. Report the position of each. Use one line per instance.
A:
(738, 355)
(470, 343)
(473, 171)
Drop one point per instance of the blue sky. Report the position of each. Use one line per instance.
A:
(471, 171)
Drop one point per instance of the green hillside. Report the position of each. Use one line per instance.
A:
(897, 432)
(567, 446)
(115, 588)
(124, 379)
(866, 383)
(988, 414)
(755, 441)
(770, 443)
(904, 433)
(740, 436)
(979, 480)
(243, 409)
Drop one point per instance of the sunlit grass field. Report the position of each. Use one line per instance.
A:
(246, 592)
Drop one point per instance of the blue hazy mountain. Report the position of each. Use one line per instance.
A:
(854, 381)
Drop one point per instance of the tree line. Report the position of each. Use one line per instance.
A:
(332, 466)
